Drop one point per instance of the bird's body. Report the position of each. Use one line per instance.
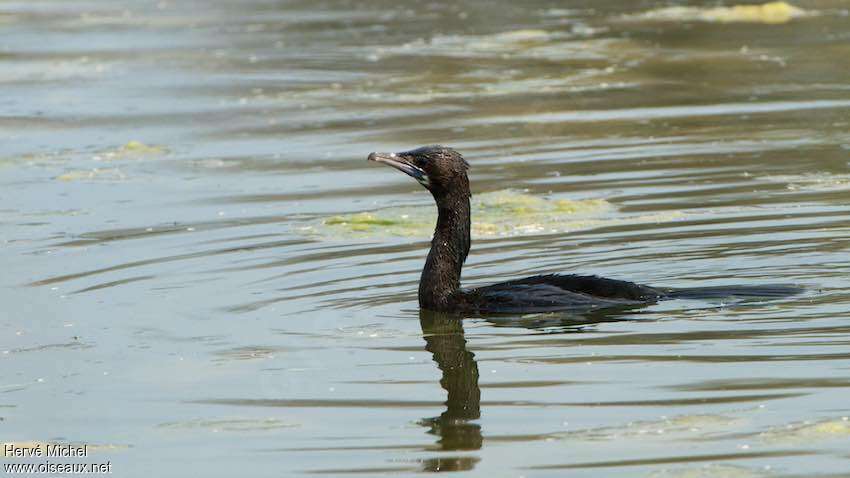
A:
(551, 292)
(443, 171)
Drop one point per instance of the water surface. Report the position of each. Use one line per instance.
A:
(203, 275)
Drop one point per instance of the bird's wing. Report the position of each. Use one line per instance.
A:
(553, 292)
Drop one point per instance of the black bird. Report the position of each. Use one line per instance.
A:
(443, 171)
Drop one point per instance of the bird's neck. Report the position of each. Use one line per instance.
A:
(449, 248)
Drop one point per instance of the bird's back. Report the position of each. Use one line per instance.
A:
(555, 292)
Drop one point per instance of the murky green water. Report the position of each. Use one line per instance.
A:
(202, 275)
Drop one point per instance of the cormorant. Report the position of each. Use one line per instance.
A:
(443, 171)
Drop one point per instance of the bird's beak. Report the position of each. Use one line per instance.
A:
(399, 162)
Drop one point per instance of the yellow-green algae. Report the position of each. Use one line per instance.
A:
(682, 425)
(812, 181)
(363, 219)
(94, 174)
(539, 44)
(230, 424)
(710, 470)
(767, 13)
(494, 214)
(805, 432)
(513, 41)
(133, 149)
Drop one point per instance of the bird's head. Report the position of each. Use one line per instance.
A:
(439, 169)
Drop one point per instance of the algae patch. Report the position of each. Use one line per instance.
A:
(527, 44)
(771, 13)
(509, 42)
(500, 213)
(495, 214)
(812, 181)
(684, 425)
(806, 432)
(230, 425)
(94, 174)
(131, 150)
(361, 221)
(710, 470)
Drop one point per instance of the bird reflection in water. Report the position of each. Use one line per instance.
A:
(444, 337)
(455, 427)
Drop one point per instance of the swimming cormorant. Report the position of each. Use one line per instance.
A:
(443, 171)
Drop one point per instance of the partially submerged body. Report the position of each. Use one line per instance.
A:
(443, 171)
